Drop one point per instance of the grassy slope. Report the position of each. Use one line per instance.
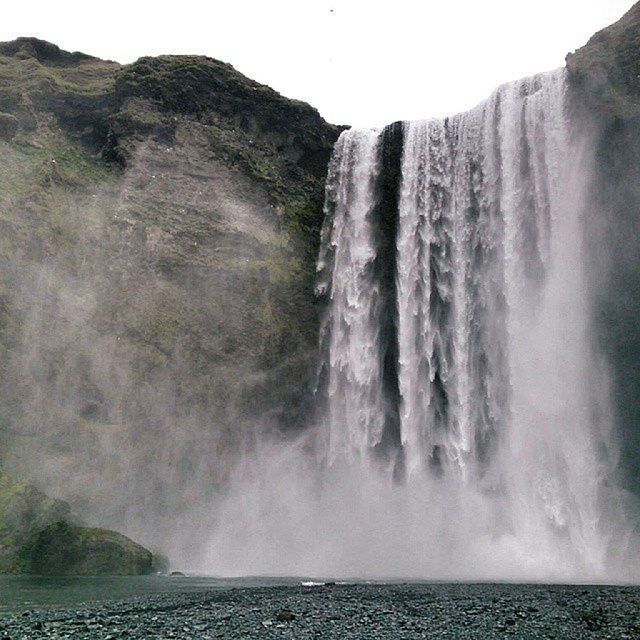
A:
(36, 536)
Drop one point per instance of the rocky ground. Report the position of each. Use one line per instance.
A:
(349, 611)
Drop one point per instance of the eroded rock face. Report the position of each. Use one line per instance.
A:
(161, 224)
(605, 83)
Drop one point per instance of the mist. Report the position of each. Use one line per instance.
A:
(106, 401)
(523, 488)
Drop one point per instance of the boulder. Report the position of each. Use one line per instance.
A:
(64, 548)
(37, 535)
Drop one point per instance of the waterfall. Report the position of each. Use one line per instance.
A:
(348, 251)
(463, 423)
(494, 371)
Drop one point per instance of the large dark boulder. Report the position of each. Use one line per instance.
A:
(64, 548)
(37, 535)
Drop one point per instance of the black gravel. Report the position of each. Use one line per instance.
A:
(349, 611)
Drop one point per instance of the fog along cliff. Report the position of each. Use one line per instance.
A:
(160, 224)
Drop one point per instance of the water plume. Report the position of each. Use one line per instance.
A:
(464, 426)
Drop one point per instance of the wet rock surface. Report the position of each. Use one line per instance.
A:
(349, 611)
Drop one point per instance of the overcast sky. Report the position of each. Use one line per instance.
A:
(360, 63)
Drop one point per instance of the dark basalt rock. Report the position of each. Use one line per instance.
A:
(286, 615)
(386, 220)
(604, 82)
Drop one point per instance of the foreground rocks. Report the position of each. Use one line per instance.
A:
(350, 611)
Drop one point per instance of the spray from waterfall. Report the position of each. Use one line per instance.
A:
(464, 428)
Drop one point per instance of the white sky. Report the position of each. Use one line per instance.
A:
(360, 63)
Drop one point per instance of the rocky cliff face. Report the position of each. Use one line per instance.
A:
(605, 80)
(606, 71)
(160, 226)
(37, 535)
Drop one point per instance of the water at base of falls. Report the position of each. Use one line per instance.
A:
(464, 427)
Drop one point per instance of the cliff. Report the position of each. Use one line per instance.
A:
(160, 224)
(605, 82)
(606, 71)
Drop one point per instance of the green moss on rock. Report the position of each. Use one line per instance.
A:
(64, 548)
(24, 510)
(37, 536)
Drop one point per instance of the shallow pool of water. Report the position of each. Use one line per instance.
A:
(37, 592)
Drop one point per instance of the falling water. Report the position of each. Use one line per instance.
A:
(349, 248)
(463, 421)
(495, 370)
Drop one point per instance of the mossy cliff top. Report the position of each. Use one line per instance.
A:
(37, 76)
(196, 86)
(85, 93)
